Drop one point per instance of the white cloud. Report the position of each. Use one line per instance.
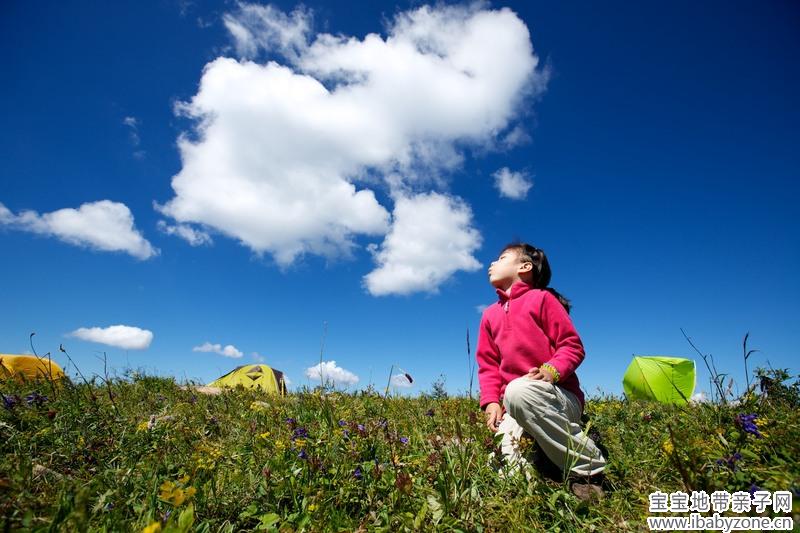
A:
(105, 226)
(481, 308)
(401, 381)
(257, 357)
(331, 374)
(281, 155)
(126, 337)
(133, 133)
(194, 236)
(699, 397)
(255, 27)
(431, 238)
(514, 185)
(228, 351)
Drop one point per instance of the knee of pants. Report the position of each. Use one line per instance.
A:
(523, 393)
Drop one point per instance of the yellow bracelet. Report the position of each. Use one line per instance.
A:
(550, 368)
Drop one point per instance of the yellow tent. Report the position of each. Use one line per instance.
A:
(261, 377)
(28, 367)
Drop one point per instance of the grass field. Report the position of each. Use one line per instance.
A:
(143, 454)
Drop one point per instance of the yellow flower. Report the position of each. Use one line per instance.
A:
(312, 507)
(668, 447)
(142, 427)
(166, 488)
(177, 497)
(155, 527)
(264, 435)
(300, 442)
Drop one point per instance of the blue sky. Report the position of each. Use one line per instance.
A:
(651, 150)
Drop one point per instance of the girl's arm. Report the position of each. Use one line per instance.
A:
(488, 357)
(557, 325)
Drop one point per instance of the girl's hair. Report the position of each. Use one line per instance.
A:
(541, 272)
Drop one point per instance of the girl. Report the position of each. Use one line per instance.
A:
(527, 354)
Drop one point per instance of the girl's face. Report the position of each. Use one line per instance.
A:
(506, 270)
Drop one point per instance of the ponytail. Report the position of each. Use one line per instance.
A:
(541, 272)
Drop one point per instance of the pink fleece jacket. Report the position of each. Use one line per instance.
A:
(527, 328)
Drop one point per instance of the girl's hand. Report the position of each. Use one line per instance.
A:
(494, 414)
(540, 373)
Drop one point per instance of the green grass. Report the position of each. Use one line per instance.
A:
(143, 452)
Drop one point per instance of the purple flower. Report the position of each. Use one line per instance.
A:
(302, 454)
(404, 440)
(342, 423)
(429, 412)
(35, 398)
(300, 433)
(360, 427)
(345, 434)
(747, 423)
(383, 422)
(10, 401)
(165, 517)
(357, 473)
(730, 462)
(753, 488)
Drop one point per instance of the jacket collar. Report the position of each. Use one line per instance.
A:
(517, 290)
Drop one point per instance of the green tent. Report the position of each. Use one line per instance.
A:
(655, 377)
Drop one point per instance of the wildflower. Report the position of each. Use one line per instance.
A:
(342, 423)
(312, 507)
(143, 426)
(429, 412)
(730, 462)
(264, 435)
(360, 428)
(300, 433)
(747, 423)
(35, 398)
(154, 527)
(302, 454)
(292, 422)
(667, 446)
(165, 516)
(10, 401)
(259, 406)
(383, 422)
(357, 473)
(404, 440)
(403, 482)
(175, 494)
(753, 488)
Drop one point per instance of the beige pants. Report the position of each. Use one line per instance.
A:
(551, 415)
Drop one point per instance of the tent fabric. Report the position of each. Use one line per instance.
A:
(28, 367)
(261, 377)
(660, 378)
